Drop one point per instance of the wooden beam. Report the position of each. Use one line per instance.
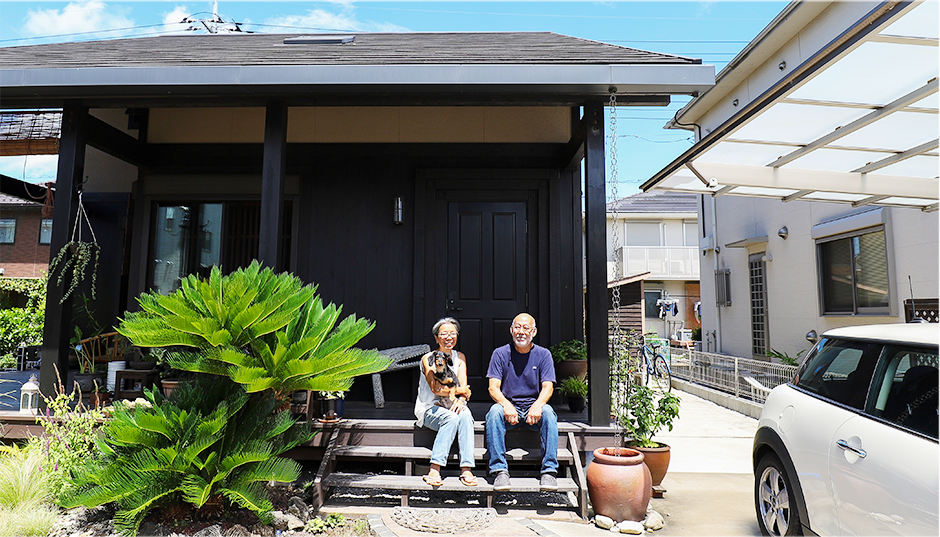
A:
(595, 215)
(114, 142)
(574, 151)
(21, 189)
(71, 170)
(272, 186)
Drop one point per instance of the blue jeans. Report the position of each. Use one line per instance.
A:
(449, 424)
(496, 427)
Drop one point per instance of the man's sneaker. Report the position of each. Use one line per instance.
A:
(548, 482)
(502, 481)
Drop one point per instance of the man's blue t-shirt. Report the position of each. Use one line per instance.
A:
(522, 375)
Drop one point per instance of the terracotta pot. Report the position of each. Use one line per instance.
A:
(657, 459)
(570, 368)
(99, 399)
(168, 386)
(619, 484)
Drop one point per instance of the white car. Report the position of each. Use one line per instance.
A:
(849, 447)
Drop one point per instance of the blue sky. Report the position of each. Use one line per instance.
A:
(712, 31)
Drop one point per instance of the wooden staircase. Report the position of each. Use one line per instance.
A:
(401, 441)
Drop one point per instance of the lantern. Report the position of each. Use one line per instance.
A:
(29, 396)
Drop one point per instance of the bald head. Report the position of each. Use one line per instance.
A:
(523, 331)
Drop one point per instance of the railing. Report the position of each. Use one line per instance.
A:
(742, 377)
(681, 262)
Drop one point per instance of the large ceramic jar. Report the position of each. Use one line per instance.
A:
(619, 484)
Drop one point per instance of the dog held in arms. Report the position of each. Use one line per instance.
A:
(441, 364)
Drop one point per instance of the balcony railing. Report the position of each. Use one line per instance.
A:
(742, 377)
(664, 262)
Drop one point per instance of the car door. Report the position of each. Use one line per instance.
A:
(883, 464)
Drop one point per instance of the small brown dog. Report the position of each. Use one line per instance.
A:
(441, 364)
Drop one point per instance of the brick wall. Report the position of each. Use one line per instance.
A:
(25, 258)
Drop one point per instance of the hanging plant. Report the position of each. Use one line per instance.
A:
(74, 258)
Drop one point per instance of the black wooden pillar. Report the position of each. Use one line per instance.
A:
(272, 186)
(71, 169)
(595, 299)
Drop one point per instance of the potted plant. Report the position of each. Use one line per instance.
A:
(643, 414)
(100, 396)
(333, 405)
(575, 390)
(87, 376)
(570, 359)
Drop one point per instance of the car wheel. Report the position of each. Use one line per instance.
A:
(774, 500)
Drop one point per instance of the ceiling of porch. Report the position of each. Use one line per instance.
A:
(861, 127)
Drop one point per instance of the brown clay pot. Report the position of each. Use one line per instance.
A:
(570, 368)
(619, 484)
(657, 459)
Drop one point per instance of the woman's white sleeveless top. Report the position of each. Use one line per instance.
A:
(427, 398)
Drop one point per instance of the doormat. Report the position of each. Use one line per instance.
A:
(458, 520)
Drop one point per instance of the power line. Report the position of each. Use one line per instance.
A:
(83, 33)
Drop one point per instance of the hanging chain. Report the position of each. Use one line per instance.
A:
(621, 368)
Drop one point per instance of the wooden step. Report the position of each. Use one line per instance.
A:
(406, 484)
(423, 453)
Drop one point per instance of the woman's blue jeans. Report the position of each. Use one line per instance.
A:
(449, 424)
(496, 427)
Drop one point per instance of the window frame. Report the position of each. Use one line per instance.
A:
(41, 223)
(824, 307)
(13, 238)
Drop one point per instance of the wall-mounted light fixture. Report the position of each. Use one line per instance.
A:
(767, 258)
(783, 232)
(397, 212)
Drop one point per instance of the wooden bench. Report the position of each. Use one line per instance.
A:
(347, 443)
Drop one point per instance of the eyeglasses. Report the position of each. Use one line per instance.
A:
(447, 335)
(521, 328)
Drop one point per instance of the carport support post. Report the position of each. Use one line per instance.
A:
(272, 186)
(71, 170)
(595, 299)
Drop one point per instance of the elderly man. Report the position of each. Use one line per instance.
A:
(521, 381)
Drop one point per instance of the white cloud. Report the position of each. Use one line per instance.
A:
(77, 17)
(172, 19)
(322, 20)
(705, 6)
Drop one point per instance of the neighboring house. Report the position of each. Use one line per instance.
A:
(657, 248)
(817, 160)
(410, 176)
(24, 238)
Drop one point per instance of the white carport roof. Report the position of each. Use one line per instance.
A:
(856, 122)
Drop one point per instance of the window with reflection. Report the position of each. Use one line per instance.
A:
(853, 271)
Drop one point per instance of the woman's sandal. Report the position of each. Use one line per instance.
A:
(468, 480)
(433, 480)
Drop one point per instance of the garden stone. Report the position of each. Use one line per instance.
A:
(263, 530)
(654, 521)
(237, 531)
(153, 529)
(299, 509)
(285, 521)
(630, 527)
(214, 530)
(603, 522)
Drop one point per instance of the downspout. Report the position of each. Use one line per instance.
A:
(717, 249)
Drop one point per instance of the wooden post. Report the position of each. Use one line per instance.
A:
(69, 177)
(595, 299)
(272, 186)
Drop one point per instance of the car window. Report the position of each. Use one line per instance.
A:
(907, 386)
(840, 371)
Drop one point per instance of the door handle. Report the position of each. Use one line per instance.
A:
(455, 309)
(845, 446)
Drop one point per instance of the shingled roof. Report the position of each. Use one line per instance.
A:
(365, 49)
(656, 202)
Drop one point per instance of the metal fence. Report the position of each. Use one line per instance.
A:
(742, 377)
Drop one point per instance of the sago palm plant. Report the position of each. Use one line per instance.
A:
(207, 445)
(263, 331)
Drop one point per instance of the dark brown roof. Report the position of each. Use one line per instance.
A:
(367, 49)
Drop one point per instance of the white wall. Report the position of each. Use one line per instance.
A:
(792, 282)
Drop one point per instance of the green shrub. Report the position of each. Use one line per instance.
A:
(22, 326)
(263, 331)
(569, 350)
(575, 386)
(645, 413)
(69, 439)
(25, 492)
(210, 443)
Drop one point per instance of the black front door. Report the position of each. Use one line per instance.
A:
(487, 287)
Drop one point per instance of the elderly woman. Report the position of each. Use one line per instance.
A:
(442, 405)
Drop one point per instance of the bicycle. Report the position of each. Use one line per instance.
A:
(656, 373)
